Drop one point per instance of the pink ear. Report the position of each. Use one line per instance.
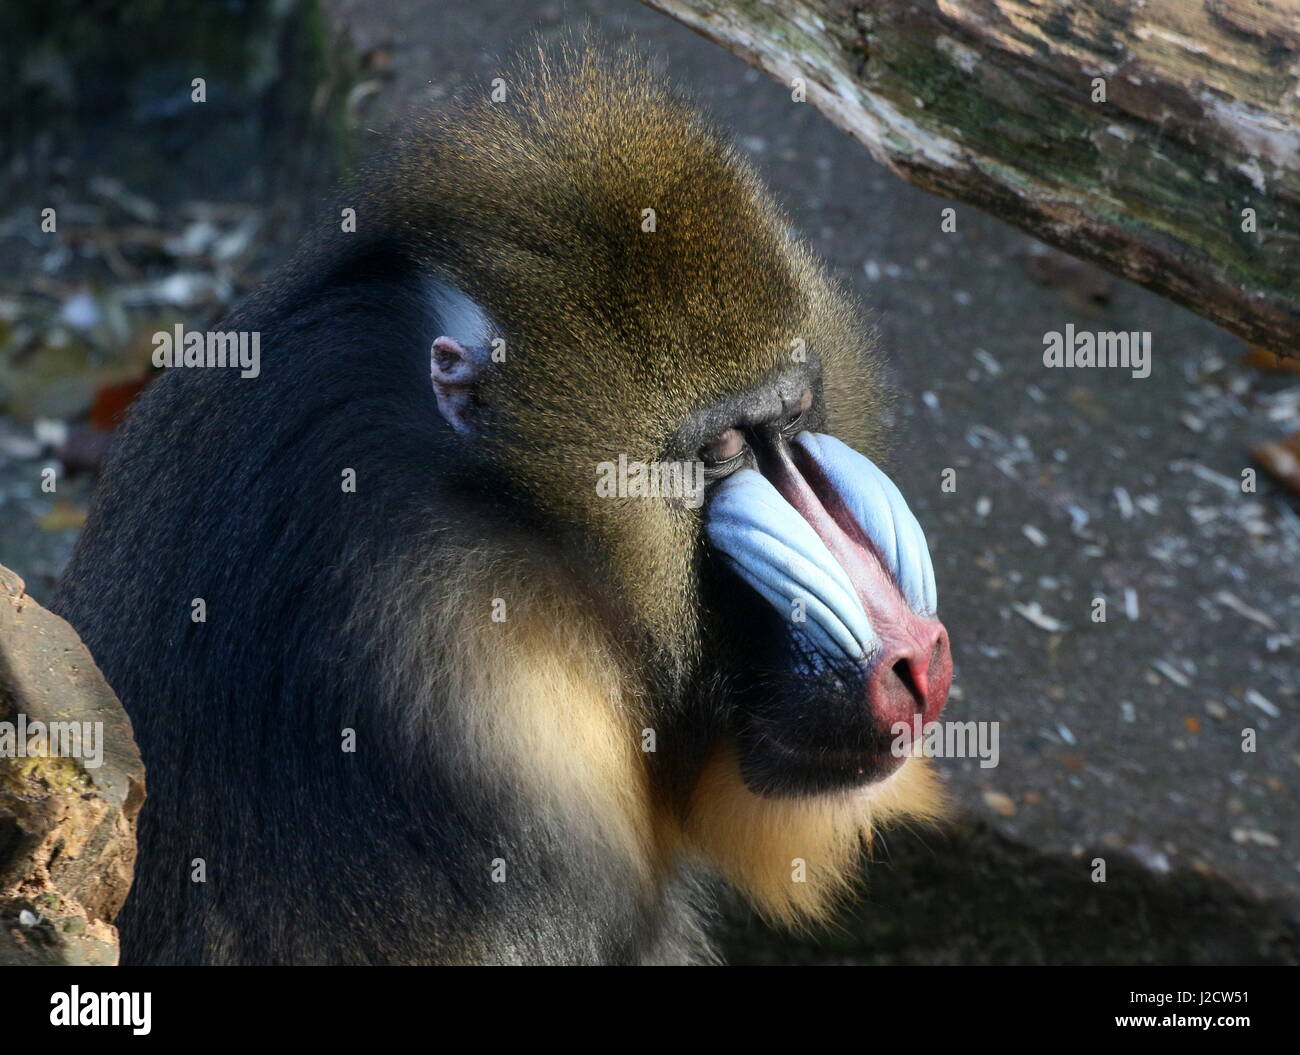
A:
(454, 374)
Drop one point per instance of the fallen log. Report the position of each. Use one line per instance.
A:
(1157, 138)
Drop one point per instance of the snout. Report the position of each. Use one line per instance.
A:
(826, 538)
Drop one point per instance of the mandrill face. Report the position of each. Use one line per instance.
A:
(710, 335)
(821, 568)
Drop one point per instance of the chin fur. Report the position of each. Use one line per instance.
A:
(758, 842)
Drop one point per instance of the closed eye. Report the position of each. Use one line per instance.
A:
(724, 453)
(717, 470)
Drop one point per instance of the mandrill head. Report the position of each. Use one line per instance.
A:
(655, 309)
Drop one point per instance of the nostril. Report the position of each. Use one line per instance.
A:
(903, 672)
(938, 653)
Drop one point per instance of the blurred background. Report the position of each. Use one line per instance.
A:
(1120, 740)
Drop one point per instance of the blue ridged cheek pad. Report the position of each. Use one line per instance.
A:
(876, 503)
(778, 553)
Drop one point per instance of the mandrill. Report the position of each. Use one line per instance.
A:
(412, 682)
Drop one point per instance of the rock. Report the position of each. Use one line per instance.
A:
(68, 818)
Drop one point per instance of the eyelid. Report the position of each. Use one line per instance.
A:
(717, 470)
(726, 437)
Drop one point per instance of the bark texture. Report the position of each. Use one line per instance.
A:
(996, 103)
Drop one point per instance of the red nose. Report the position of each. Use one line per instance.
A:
(912, 673)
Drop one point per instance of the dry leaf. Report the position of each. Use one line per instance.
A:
(1281, 459)
(63, 517)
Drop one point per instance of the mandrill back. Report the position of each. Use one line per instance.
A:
(326, 615)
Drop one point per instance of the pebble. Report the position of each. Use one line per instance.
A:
(1000, 803)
